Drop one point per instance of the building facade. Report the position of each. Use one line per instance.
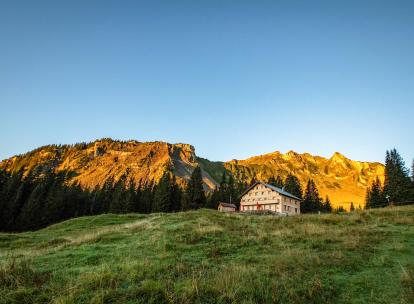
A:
(261, 196)
(226, 207)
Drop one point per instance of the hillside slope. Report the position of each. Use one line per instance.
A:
(208, 257)
(91, 164)
(342, 179)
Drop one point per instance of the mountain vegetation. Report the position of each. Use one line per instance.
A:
(36, 190)
(398, 187)
(33, 202)
(90, 165)
(204, 256)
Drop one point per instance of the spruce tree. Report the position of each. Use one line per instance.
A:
(375, 197)
(130, 197)
(176, 195)
(194, 193)
(231, 194)
(213, 199)
(146, 199)
(11, 184)
(412, 172)
(327, 206)
(31, 217)
(352, 208)
(106, 194)
(312, 202)
(55, 200)
(223, 188)
(118, 202)
(162, 195)
(292, 185)
(397, 182)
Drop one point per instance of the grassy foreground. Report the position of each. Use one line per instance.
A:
(207, 257)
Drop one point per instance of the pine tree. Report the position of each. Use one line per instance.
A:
(96, 201)
(352, 208)
(412, 172)
(194, 193)
(397, 182)
(106, 194)
(31, 215)
(11, 184)
(118, 203)
(130, 196)
(146, 199)
(223, 188)
(340, 209)
(54, 201)
(327, 206)
(375, 196)
(176, 195)
(162, 195)
(292, 185)
(213, 199)
(312, 202)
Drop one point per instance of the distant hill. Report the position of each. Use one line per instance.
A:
(91, 164)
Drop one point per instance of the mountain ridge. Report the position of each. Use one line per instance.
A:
(91, 164)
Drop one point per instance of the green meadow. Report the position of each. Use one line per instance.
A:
(208, 257)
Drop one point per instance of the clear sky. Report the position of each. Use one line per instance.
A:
(233, 78)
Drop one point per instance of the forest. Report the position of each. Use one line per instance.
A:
(32, 202)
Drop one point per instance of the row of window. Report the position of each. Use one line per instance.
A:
(269, 207)
(257, 193)
(260, 199)
(265, 207)
(284, 199)
(289, 208)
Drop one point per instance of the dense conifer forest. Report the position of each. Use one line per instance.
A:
(33, 202)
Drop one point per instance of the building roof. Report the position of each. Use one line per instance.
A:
(277, 189)
(227, 205)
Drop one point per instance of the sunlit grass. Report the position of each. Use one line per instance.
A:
(209, 257)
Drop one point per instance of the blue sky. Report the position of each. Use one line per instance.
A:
(233, 78)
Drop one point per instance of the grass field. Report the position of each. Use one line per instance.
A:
(207, 257)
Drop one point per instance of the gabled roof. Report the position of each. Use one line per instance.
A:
(227, 205)
(277, 189)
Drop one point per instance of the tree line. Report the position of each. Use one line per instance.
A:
(398, 186)
(32, 202)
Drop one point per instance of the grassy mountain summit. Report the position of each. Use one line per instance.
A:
(205, 256)
(91, 164)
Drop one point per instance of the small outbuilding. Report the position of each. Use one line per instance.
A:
(226, 207)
